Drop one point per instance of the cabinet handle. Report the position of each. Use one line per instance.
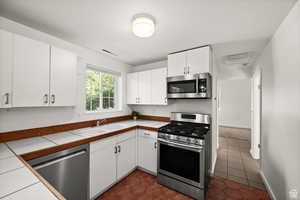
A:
(119, 148)
(184, 71)
(155, 145)
(166, 100)
(46, 99)
(52, 98)
(6, 101)
(116, 150)
(145, 133)
(188, 69)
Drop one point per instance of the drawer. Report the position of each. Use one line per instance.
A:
(126, 136)
(147, 133)
(103, 143)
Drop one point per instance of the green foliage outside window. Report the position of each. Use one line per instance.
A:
(100, 90)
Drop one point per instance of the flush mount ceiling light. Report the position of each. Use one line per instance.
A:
(143, 25)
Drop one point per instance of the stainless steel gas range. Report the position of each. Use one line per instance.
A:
(184, 154)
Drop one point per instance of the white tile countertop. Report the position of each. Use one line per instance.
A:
(18, 182)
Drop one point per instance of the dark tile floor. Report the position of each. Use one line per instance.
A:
(234, 160)
(142, 186)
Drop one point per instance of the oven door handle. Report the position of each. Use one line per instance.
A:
(182, 146)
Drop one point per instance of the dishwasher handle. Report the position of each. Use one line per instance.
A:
(59, 159)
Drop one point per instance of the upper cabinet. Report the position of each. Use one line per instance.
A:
(30, 72)
(147, 87)
(33, 74)
(189, 62)
(176, 64)
(132, 88)
(62, 77)
(159, 86)
(6, 64)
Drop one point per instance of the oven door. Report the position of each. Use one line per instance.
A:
(181, 162)
(182, 86)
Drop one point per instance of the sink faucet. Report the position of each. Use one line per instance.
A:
(100, 122)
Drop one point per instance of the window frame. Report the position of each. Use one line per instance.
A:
(117, 100)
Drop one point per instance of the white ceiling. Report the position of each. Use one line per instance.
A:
(181, 24)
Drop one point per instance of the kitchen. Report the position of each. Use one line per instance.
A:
(85, 116)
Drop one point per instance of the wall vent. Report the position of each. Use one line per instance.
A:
(241, 58)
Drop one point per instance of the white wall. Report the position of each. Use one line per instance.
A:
(280, 63)
(235, 103)
(22, 118)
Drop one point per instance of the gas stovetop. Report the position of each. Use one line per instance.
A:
(186, 129)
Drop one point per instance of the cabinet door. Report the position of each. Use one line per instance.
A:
(159, 86)
(176, 64)
(102, 166)
(198, 60)
(6, 64)
(147, 153)
(126, 160)
(63, 78)
(144, 87)
(132, 88)
(30, 72)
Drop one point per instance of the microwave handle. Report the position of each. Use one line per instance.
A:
(197, 86)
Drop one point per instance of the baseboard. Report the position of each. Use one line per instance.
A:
(147, 171)
(269, 189)
(234, 126)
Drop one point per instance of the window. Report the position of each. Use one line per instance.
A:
(101, 91)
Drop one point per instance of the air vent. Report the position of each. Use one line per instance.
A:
(240, 58)
(109, 52)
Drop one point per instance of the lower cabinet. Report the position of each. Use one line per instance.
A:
(126, 158)
(110, 160)
(147, 150)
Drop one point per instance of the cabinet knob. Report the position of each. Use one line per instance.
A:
(52, 98)
(46, 99)
(6, 98)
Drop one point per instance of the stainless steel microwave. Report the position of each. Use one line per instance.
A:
(197, 86)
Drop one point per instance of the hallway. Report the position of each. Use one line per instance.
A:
(234, 160)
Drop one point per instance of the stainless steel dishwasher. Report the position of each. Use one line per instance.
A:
(67, 171)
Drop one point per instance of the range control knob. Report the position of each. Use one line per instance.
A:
(188, 140)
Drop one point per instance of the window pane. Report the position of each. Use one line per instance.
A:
(100, 90)
(112, 102)
(92, 90)
(108, 87)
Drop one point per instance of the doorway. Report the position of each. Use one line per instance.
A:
(238, 159)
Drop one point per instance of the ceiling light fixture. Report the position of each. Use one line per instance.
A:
(143, 25)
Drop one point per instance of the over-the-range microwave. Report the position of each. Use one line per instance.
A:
(197, 86)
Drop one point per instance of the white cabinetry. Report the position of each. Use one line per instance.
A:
(144, 87)
(176, 64)
(102, 165)
(30, 72)
(110, 160)
(198, 60)
(189, 62)
(126, 156)
(159, 86)
(32, 76)
(132, 88)
(147, 87)
(62, 78)
(6, 64)
(147, 150)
